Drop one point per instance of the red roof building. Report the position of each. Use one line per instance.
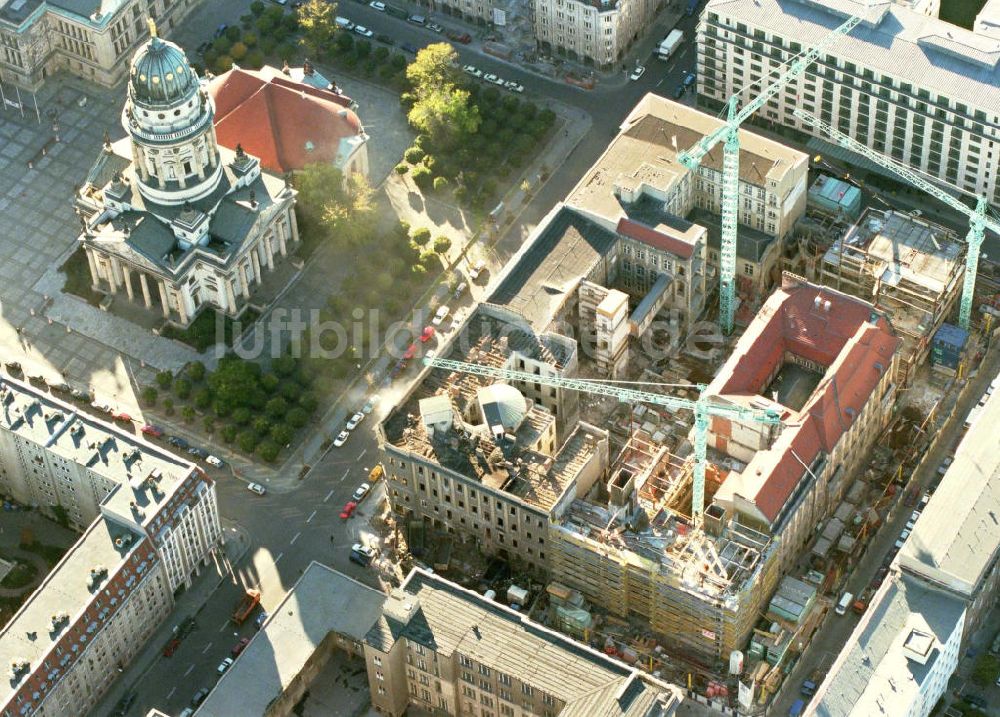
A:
(824, 360)
(288, 119)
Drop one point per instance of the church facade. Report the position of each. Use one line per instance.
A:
(169, 218)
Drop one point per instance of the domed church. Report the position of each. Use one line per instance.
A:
(168, 217)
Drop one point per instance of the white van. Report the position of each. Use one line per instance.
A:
(344, 24)
(845, 602)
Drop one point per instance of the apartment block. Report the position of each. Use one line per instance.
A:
(909, 267)
(596, 33)
(149, 521)
(440, 648)
(664, 212)
(92, 40)
(904, 83)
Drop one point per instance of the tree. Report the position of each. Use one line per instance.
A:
(242, 416)
(297, 417)
(421, 236)
(316, 18)
(182, 387)
(434, 68)
(149, 396)
(282, 435)
(168, 406)
(268, 450)
(440, 183)
(202, 399)
(187, 413)
(238, 51)
(283, 365)
(209, 423)
(446, 115)
(229, 433)
(442, 244)
(195, 371)
(257, 8)
(164, 379)
(276, 407)
(247, 441)
(261, 426)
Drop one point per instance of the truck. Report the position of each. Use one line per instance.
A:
(669, 44)
(246, 605)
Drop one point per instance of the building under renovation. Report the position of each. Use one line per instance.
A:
(909, 268)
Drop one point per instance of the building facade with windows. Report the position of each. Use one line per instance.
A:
(906, 84)
(170, 218)
(596, 33)
(90, 40)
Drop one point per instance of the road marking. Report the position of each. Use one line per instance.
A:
(311, 516)
(189, 670)
(171, 693)
(278, 558)
(224, 626)
(292, 542)
(207, 648)
(328, 495)
(362, 454)
(345, 474)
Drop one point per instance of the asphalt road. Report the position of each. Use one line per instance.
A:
(289, 530)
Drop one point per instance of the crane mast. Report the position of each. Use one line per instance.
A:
(702, 408)
(729, 134)
(979, 222)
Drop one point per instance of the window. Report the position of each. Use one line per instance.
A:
(748, 269)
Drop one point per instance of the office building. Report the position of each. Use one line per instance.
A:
(906, 84)
(596, 33)
(90, 39)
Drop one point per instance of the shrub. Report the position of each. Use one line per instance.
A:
(276, 407)
(228, 433)
(208, 423)
(221, 45)
(381, 54)
(268, 45)
(308, 402)
(440, 183)
(149, 395)
(187, 413)
(345, 42)
(283, 365)
(442, 244)
(238, 51)
(223, 64)
(421, 236)
(254, 60)
(297, 417)
(233, 34)
(247, 441)
(430, 161)
(164, 379)
(282, 435)
(168, 406)
(268, 450)
(422, 177)
(182, 387)
(257, 8)
(413, 155)
(195, 371)
(290, 391)
(398, 62)
(242, 416)
(362, 48)
(249, 39)
(402, 168)
(269, 382)
(202, 399)
(286, 51)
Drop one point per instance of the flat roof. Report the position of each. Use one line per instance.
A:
(956, 538)
(645, 154)
(451, 620)
(68, 590)
(909, 46)
(875, 672)
(322, 601)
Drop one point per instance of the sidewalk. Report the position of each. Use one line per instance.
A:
(187, 605)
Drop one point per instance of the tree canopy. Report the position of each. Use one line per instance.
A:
(441, 109)
(316, 18)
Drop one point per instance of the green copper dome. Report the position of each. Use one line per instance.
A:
(161, 73)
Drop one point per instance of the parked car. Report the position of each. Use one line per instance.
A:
(363, 555)
(460, 289)
(679, 91)
(348, 510)
(225, 665)
(239, 647)
(343, 23)
(124, 703)
(122, 417)
(440, 315)
(177, 442)
(213, 461)
(975, 700)
(514, 86)
(197, 452)
(427, 334)
(199, 697)
(477, 269)
(363, 31)
(410, 352)
(689, 79)
(80, 394)
(638, 72)
(256, 488)
(361, 493)
(434, 27)
(410, 47)
(417, 20)
(462, 37)
(493, 79)
(385, 39)
(354, 421)
(171, 647)
(150, 430)
(60, 386)
(260, 620)
(341, 439)
(376, 5)
(370, 404)
(472, 70)
(221, 29)
(102, 407)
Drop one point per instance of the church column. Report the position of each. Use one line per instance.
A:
(255, 261)
(230, 296)
(280, 231)
(95, 276)
(127, 280)
(164, 302)
(268, 252)
(182, 305)
(116, 272)
(293, 224)
(145, 290)
(245, 281)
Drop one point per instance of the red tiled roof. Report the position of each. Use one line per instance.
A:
(285, 123)
(655, 238)
(841, 337)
